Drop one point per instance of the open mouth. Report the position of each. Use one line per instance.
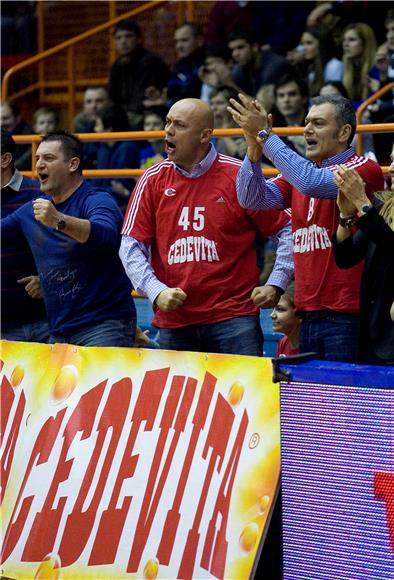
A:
(43, 177)
(169, 146)
(310, 142)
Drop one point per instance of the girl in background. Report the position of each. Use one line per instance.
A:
(285, 320)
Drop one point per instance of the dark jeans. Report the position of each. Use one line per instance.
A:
(241, 335)
(30, 332)
(332, 335)
(105, 333)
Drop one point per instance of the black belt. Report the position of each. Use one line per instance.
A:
(311, 315)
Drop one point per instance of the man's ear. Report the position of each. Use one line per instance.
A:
(74, 163)
(205, 135)
(6, 159)
(344, 133)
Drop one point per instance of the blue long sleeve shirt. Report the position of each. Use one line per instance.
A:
(83, 283)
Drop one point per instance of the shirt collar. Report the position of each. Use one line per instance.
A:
(15, 182)
(201, 167)
(338, 158)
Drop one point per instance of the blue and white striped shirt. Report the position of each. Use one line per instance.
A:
(254, 191)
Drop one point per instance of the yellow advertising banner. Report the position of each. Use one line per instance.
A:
(132, 463)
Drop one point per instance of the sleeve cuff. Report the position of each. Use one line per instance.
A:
(153, 289)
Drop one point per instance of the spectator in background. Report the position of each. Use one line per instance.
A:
(373, 242)
(314, 61)
(189, 47)
(154, 120)
(216, 71)
(285, 319)
(95, 99)
(382, 110)
(291, 101)
(254, 67)
(45, 120)
(136, 74)
(73, 233)
(334, 88)
(326, 297)
(219, 101)
(12, 121)
(116, 154)
(334, 16)
(203, 267)
(23, 315)
(359, 48)
(274, 24)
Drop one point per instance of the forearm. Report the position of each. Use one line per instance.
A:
(135, 259)
(253, 191)
(301, 173)
(283, 270)
(76, 228)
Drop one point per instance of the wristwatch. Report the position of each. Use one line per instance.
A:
(264, 134)
(347, 222)
(365, 208)
(61, 223)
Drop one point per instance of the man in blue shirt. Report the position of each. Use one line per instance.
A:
(73, 232)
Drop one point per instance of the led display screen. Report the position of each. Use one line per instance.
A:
(337, 445)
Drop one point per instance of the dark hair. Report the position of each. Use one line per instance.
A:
(13, 106)
(289, 78)
(325, 51)
(194, 27)
(242, 33)
(8, 145)
(338, 85)
(227, 92)
(115, 117)
(46, 111)
(129, 25)
(218, 51)
(71, 145)
(344, 111)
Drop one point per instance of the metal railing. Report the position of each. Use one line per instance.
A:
(364, 105)
(145, 135)
(70, 83)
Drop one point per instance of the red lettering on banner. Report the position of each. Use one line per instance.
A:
(222, 506)
(7, 398)
(46, 522)
(80, 523)
(7, 456)
(219, 433)
(384, 489)
(149, 504)
(173, 516)
(146, 408)
(40, 454)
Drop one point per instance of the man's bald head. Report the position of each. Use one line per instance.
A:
(200, 111)
(188, 128)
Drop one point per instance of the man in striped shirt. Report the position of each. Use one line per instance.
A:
(189, 245)
(327, 298)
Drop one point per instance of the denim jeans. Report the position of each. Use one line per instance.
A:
(30, 332)
(241, 335)
(105, 333)
(334, 337)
